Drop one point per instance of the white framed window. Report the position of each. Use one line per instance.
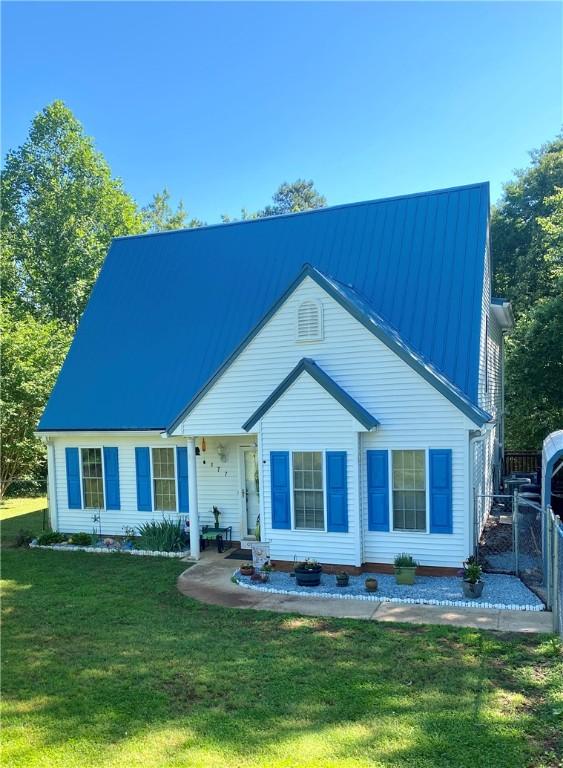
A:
(164, 479)
(409, 496)
(308, 490)
(92, 478)
(309, 321)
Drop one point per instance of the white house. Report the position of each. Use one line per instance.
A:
(337, 373)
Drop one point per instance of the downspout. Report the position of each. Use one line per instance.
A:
(472, 536)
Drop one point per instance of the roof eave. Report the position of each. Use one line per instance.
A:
(307, 365)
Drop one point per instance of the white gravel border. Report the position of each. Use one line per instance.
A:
(109, 550)
(382, 599)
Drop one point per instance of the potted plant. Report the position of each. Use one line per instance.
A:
(405, 568)
(246, 569)
(342, 579)
(371, 584)
(308, 573)
(472, 584)
(216, 515)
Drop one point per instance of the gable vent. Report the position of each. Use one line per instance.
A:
(309, 321)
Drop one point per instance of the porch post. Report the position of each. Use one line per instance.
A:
(192, 496)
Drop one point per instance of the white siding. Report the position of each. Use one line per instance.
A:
(487, 455)
(412, 414)
(218, 483)
(307, 418)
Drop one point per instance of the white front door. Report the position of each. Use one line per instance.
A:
(250, 490)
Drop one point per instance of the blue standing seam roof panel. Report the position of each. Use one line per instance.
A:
(168, 309)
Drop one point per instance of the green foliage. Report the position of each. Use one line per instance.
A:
(159, 216)
(161, 535)
(534, 374)
(527, 231)
(24, 537)
(527, 248)
(472, 573)
(404, 560)
(32, 354)
(299, 196)
(51, 537)
(60, 209)
(81, 539)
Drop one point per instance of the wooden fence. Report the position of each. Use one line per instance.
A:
(521, 461)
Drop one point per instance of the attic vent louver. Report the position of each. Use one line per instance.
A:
(309, 321)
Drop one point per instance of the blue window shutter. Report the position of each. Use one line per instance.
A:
(182, 472)
(441, 491)
(378, 490)
(336, 491)
(279, 478)
(73, 478)
(143, 467)
(111, 476)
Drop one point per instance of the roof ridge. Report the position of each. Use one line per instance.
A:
(324, 209)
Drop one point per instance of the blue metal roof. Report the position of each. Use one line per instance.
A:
(307, 365)
(168, 309)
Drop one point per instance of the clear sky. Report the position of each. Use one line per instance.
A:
(221, 102)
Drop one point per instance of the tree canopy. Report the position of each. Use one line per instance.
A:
(159, 216)
(60, 209)
(298, 196)
(32, 354)
(527, 248)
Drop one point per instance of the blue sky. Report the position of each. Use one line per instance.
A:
(221, 102)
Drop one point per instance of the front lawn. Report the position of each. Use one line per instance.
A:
(24, 513)
(105, 664)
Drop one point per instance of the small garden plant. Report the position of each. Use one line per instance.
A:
(51, 537)
(161, 535)
(404, 560)
(81, 539)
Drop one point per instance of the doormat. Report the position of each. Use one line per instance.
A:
(240, 554)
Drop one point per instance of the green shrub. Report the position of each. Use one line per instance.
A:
(81, 539)
(51, 537)
(24, 537)
(404, 560)
(161, 536)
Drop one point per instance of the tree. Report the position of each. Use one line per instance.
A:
(527, 230)
(299, 196)
(32, 354)
(293, 198)
(60, 209)
(534, 373)
(159, 216)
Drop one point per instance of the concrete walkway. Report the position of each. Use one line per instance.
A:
(209, 581)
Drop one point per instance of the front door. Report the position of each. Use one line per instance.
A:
(251, 489)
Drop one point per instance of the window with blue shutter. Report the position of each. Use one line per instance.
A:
(111, 477)
(182, 472)
(336, 491)
(143, 469)
(441, 520)
(279, 478)
(73, 478)
(378, 490)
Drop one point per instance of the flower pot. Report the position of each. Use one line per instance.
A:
(246, 570)
(342, 580)
(259, 577)
(371, 584)
(405, 574)
(308, 577)
(473, 590)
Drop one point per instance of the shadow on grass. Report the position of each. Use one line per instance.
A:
(103, 649)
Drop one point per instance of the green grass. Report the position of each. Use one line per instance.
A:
(106, 664)
(16, 514)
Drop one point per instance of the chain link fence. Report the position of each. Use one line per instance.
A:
(510, 540)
